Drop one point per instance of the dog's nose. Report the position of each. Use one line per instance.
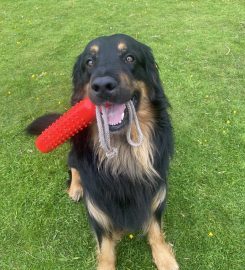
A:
(104, 85)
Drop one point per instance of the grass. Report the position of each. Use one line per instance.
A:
(199, 46)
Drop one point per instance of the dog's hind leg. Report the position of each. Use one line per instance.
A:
(161, 251)
(75, 190)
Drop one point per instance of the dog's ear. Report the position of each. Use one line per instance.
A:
(78, 80)
(151, 68)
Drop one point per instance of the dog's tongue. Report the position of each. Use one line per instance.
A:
(115, 113)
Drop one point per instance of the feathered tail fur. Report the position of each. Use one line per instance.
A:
(41, 123)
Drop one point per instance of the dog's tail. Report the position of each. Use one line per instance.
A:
(41, 123)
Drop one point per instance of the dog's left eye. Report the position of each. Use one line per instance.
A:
(129, 59)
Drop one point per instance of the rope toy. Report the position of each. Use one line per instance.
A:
(79, 117)
(104, 133)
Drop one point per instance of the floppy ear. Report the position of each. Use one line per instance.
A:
(154, 82)
(78, 80)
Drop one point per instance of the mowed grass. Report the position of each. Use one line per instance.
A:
(199, 46)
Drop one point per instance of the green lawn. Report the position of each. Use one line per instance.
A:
(200, 49)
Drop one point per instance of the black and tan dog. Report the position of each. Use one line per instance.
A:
(126, 193)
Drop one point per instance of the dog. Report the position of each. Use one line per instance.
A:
(126, 193)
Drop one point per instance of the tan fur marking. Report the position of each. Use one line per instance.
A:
(122, 46)
(106, 254)
(158, 199)
(117, 235)
(124, 80)
(75, 190)
(94, 48)
(144, 153)
(161, 251)
(97, 214)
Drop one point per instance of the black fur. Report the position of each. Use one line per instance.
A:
(41, 123)
(127, 202)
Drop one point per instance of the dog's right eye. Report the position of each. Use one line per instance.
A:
(90, 62)
(129, 59)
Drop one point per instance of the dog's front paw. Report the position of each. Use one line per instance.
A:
(167, 264)
(105, 266)
(75, 192)
(164, 259)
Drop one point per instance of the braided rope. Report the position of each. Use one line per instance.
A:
(104, 132)
(133, 117)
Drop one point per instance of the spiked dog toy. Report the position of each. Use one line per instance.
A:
(71, 122)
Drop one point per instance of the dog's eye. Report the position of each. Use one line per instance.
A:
(90, 62)
(129, 59)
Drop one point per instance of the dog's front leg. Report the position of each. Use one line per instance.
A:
(106, 254)
(75, 190)
(161, 251)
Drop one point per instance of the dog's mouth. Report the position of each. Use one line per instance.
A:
(118, 115)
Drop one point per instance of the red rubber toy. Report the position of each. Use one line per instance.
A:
(71, 122)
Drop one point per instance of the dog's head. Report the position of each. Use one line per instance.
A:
(113, 70)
